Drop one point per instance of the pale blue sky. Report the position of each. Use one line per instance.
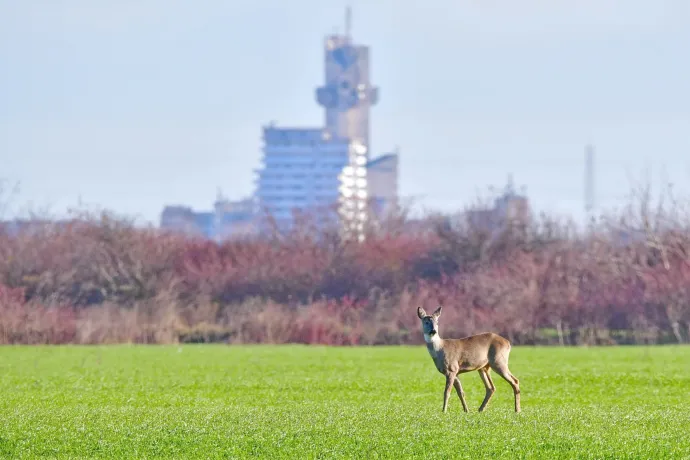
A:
(132, 104)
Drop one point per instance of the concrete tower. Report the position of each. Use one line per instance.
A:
(347, 94)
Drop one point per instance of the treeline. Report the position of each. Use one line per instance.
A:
(626, 279)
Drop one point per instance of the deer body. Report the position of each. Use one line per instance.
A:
(481, 352)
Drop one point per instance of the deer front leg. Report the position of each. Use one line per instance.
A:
(489, 385)
(461, 394)
(450, 377)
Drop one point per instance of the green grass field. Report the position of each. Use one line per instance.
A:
(317, 402)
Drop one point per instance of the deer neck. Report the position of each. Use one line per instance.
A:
(434, 342)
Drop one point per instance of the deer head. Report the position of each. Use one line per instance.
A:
(429, 322)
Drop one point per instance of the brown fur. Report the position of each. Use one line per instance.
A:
(481, 352)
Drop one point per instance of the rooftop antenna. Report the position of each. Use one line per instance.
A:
(589, 180)
(348, 22)
(510, 185)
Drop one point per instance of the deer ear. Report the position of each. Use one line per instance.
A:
(420, 312)
(437, 313)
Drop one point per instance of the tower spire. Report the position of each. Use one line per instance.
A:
(510, 186)
(589, 180)
(348, 21)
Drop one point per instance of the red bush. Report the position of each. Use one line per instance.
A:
(104, 281)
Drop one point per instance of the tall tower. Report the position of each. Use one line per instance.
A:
(589, 181)
(347, 94)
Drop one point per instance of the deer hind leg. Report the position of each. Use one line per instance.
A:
(461, 394)
(501, 369)
(450, 377)
(489, 384)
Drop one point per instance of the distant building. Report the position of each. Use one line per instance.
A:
(184, 220)
(347, 95)
(307, 169)
(382, 175)
(229, 219)
(312, 170)
(34, 226)
(234, 219)
(508, 208)
(300, 171)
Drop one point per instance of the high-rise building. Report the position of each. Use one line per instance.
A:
(347, 95)
(308, 168)
(300, 171)
(382, 176)
(325, 169)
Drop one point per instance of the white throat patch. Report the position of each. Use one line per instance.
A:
(431, 338)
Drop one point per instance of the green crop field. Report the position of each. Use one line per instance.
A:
(319, 402)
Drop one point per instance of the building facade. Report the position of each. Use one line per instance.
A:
(382, 174)
(304, 169)
(347, 94)
(326, 169)
(509, 208)
(299, 172)
(183, 219)
(234, 219)
(229, 219)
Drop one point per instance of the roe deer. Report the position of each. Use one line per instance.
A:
(481, 352)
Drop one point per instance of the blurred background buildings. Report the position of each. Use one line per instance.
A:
(312, 169)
